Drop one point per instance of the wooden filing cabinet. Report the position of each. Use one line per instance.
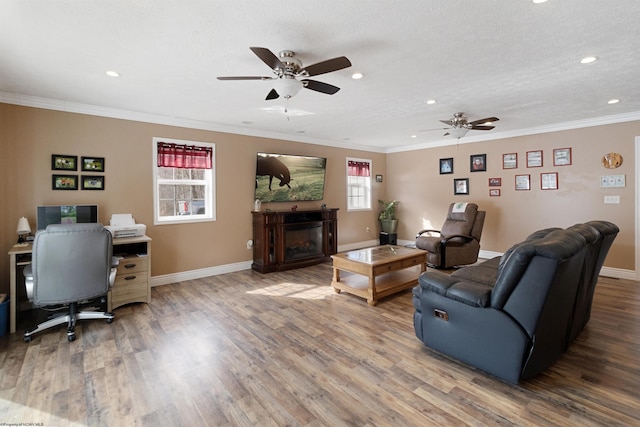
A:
(133, 280)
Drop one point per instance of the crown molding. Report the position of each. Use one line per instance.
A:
(94, 110)
(114, 113)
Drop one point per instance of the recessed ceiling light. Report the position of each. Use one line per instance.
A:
(613, 101)
(414, 136)
(113, 73)
(539, 1)
(357, 76)
(431, 101)
(588, 59)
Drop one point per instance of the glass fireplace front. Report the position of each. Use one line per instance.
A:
(302, 240)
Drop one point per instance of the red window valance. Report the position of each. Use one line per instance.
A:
(359, 168)
(184, 156)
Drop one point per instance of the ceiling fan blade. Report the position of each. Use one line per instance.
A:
(482, 121)
(320, 87)
(447, 122)
(481, 127)
(327, 66)
(268, 57)
(427, 130)
(272, 95)
(244, 78)
(446, 134)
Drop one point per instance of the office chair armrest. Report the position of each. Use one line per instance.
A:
(421, 232)
(114, 270)
(27, 272)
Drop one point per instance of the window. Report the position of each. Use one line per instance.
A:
(358, 184)
(183, 181)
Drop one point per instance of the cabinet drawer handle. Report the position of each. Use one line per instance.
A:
(129, 265)
(129, 277)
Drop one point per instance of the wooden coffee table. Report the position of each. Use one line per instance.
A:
(379, 271)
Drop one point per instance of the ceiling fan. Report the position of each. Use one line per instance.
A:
(459, 125)
(288, 69)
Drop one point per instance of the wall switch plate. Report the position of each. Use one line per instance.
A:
(612, 181)
(611, 200)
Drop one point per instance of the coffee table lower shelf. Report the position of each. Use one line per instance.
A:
(381, 286)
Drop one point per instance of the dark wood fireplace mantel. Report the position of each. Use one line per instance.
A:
(293, 239)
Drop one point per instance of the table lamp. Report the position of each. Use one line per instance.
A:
(23, 229)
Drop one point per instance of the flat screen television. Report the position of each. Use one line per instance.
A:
(289, 178)
(69, 214)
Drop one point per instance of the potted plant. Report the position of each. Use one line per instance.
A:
(388, 221)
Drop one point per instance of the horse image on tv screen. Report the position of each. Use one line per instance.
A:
(289, 178)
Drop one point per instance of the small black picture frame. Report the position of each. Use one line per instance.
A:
(478, 163)
(460, 186)
(63, 162)
(446, 166)
(378, 178)
(92, 182)
(92, 164)
(64, 182)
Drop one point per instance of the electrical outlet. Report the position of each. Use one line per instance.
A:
(249, 244)
(368, 230)
(611, 200)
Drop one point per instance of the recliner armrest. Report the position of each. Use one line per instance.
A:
(464, 238)
(421, 232)
(472, 293)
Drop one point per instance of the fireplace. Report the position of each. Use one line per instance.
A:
(293, 239)
(302, 241)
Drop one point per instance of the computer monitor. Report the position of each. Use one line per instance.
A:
(69, 214)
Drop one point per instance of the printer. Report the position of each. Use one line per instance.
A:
(123, 225)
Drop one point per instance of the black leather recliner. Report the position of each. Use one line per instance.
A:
(515, 315)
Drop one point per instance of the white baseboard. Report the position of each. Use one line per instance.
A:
(165, 279)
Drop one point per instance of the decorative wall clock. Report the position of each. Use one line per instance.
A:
(612, 160)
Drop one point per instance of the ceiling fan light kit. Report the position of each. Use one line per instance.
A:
(287, 69)
(458, 132)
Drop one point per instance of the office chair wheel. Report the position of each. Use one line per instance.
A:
(110, 320)
(27, 339)
(71, 338)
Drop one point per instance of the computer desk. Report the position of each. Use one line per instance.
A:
(132, 280)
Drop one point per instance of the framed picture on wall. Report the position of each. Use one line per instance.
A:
(510, 161)
(561, 156)
(494, 192)
(63, 162)
(64, 182)
(460, 186)
(495, 182)
(534, 159)
(478, 163)
(93, 164)
(549, 181)
(446, 165)
(523, 182)
(92, 182)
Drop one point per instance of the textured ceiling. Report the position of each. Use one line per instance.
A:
(507, 58)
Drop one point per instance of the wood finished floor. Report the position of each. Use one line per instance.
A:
(279, 349)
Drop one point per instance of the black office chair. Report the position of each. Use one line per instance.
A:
(72, 265)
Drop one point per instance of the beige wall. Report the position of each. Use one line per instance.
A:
(28, 137)
(425, 195)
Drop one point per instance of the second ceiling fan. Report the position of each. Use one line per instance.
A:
(460, 125)
(289, 74)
